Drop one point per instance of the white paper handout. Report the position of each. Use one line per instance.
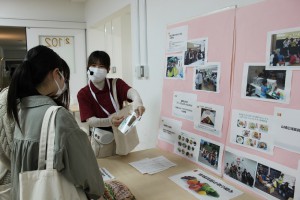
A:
(169, 129)
(205, 187)
(183, 104)
(252, 130)
(286, 129)
(208, 118)
(152, 165)
(106, 175)
(129, 122)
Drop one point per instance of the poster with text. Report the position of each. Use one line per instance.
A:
(286, 129)
(204, 186)
(169, 129)
(283, 49)
(174, 68)
(177, 39)
(251, 130)
(206, 77)
(196, 53)
(210, 154)
(183, 104)
(187, 145)
(208, 118)
(266, 85)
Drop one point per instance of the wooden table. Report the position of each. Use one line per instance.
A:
(157, 186)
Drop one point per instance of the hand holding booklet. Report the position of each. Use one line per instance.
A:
(129, 122)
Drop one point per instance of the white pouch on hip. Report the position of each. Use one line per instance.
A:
(102, 136)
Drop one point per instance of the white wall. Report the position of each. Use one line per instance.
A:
(159, 15)
(99, 10)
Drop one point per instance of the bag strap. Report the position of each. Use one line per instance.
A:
(48, 126)
(114, 90)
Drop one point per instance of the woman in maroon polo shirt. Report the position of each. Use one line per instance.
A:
(96, 103)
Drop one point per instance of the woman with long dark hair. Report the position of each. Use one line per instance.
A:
(40, 82)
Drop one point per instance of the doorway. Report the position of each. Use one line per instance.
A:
(113, 35)
(13, 48)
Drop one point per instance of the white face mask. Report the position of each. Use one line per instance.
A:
(60, 90)
(96, 75)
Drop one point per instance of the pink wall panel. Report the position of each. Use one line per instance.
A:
(252, 25)
(218, 28)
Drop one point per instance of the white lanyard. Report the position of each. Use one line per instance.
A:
(116, 106)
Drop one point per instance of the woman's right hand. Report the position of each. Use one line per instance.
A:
(116, 120)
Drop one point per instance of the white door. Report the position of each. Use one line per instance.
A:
(71, 46)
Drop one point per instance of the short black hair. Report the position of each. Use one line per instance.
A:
(99, 56)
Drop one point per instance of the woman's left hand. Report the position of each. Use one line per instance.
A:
(140, 110)
(116, 120)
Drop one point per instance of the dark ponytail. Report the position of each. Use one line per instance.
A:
(39, 61)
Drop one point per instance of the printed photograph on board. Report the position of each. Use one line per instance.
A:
(239, 168)
(196, 53)
(174, 68)
(206, 77)
(208, 118)
(266, 85)
(209, 153)
(283, 49)
(274, 182)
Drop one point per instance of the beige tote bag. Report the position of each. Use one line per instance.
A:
(124, 142)
(47, 184)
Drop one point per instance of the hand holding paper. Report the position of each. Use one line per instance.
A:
(140, 110)
(129, 122)
(117, 120)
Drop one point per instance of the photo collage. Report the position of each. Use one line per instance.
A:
(266, 179)
(269, 83)
(251, 130)
(203, 151)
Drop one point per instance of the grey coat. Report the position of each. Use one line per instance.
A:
(73, 156)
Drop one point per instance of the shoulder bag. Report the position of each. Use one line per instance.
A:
(47, 184)
(124, 142)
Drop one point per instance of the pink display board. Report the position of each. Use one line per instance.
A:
(239, 38)
(219, 29)
(252, 25)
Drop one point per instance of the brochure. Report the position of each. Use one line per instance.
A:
(106, 175)
(129, 122)
(204, 186)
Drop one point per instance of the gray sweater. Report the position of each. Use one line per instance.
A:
(73, 156)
